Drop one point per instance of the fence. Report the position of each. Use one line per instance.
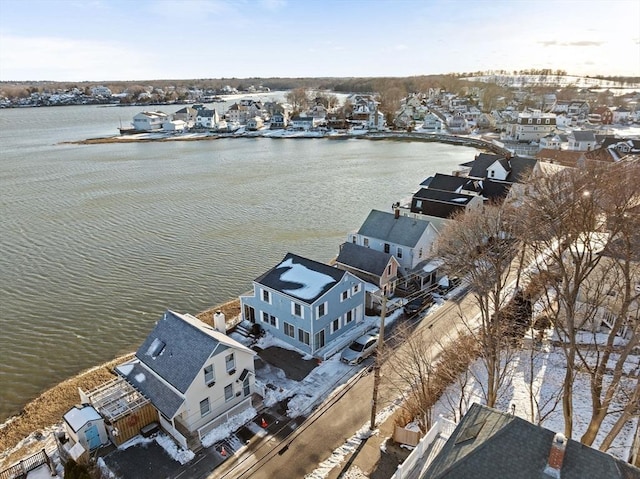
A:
(441, 429)
(29, 464)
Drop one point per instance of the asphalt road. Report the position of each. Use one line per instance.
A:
(339, 417)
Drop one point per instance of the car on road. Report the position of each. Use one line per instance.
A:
(360, 349)
(418, 304)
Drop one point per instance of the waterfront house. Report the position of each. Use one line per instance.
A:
(374, 267)
(207, 118)
(409, 240)
(149, 120)
(432, 122)
(305, 122)
(188, 114)
(515, 169)
(193, 375)
(278, 121)
(310, 305)
(255, 123)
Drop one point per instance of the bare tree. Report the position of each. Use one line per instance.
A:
(480, 245)
(298, 98)
(569, 219)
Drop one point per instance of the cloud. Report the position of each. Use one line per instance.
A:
(581, 43)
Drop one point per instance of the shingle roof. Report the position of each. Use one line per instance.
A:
(175, 350)
(386, 227)
(303, 278)
(363, 258)
(584, 135)
(451, 183)
(489, 443)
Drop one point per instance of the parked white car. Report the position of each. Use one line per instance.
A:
(360, 349)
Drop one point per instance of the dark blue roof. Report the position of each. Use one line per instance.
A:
(302, 278)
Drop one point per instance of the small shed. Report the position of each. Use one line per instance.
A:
(85, 426)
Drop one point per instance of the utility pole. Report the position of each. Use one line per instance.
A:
(376, 364)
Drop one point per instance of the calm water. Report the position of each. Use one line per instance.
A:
(98, 240)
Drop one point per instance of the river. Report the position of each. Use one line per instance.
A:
(98, 240)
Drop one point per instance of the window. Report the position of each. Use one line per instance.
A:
(420, 253)
(366, 242)
(303, 336)
(335, 325)
(319, 339)
(266, 296)
(269, 319)
(356, 288)
(389, 270)
(289, 330)
(348, 317)
(353, 240)
(418, 203)
(386, 247)
(399, 253)
(205, 408)
(230, 362)
(492, 173)
(345, 295)
(297, 310)
(228, 392)
(322, 310)
(209, 377)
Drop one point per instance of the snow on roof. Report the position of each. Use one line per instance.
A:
(312, 282)
(77, 417)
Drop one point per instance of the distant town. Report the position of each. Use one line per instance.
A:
(509, 290)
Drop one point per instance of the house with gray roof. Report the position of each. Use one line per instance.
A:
(490, 443)
(582, 140)
(410, 240)
(310, 305)
(498, 168)
(193, 374)
(374, 267)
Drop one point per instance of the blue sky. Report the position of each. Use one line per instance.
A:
(108, 40)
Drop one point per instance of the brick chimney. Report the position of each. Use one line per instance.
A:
(556, 456)
(396, 213)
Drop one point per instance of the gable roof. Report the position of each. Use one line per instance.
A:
(519, 168)
(302, 278)
(452, 183)
(586, 135)
(489, 443)
(386, 227)
(363, 259)
(175, 350)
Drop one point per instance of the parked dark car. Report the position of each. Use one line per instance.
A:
(418, 304)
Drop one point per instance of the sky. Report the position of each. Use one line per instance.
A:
(110, 40)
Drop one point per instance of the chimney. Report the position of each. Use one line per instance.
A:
(396, 213)
(556, 456)
(219, 322)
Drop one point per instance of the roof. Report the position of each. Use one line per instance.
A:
(363, 258)
(443, 196)
(587, 135)
(301, 278)
(386, 227)
(175, 350)
(452, 183)
(520, 168)
(78, 416)
(490, 443)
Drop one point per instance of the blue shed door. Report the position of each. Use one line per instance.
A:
(93, 437)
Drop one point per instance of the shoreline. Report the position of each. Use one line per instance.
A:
(47, 408)
(148, 137)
